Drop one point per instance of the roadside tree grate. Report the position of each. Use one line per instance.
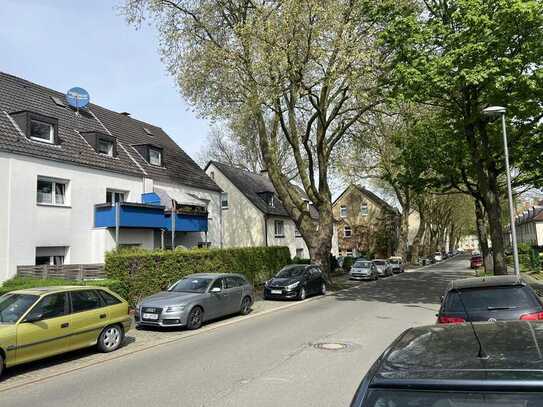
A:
(331, 346)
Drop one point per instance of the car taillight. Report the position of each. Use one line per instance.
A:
(443, 319)
(535, 316)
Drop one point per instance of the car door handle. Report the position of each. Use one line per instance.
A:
(65, 325)
(102, 316)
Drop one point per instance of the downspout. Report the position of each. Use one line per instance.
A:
(117, 223)
(174, 215)
(266, 230)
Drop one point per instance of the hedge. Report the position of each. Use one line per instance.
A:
(141, 272)
(22, 283)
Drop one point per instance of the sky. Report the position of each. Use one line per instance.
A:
(65, 43)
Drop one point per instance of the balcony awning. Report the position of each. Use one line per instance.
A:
(182, 198)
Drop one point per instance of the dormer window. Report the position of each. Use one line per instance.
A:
(102, 143)
(155, 156)
(42, 131)
(105, 146)
(36, 126)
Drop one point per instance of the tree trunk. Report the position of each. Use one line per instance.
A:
(480, 221)
(320, 245)
(496, 237)
(417, 241)
(404, 232)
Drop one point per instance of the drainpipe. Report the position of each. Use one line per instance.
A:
(265, 230)
(174, 215)
(117, 223)
(162, 239)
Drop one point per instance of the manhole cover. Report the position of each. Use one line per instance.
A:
(331, 346)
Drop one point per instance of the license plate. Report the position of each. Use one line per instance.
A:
(276, 291)
(150, 316)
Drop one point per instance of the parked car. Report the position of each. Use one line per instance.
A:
(41, 322)
(363, 270)
(396, 264)
(476, 262)
(295, 281)
(438, 256)
(195, 299)
(434, 366)
(383, 267)
(496, 298)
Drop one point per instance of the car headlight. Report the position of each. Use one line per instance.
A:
(292, 286)
(175, 308)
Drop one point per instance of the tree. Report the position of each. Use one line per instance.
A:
(460, 56)
(302, 71)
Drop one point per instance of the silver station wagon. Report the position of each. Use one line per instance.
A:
(196, 299)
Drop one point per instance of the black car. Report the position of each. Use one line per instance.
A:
(448, 365)
(498, 298)
(295, 281)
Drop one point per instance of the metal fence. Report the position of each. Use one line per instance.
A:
(66, 271)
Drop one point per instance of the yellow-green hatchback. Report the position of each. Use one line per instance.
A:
(42, 322)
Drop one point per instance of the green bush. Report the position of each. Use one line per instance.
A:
(141, 273)
(22, 283)
(347, 263)
(299, 260)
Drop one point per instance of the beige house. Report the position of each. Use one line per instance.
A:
(252, 214)
(366, 223)
(529, 227)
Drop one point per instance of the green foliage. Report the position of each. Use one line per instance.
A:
(22, 283)
(299, 260)
(141, 273)
(348, 263)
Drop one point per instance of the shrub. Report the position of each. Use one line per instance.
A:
(140, 273)
(22, 283)
(347, 263)
(299, 260)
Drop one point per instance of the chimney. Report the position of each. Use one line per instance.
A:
(125, 114)
(264, 173)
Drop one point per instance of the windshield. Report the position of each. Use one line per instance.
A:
(412, 398)
(379, 262)
(394, 261)
(362, 265)
(13, 306)
(289, 272)
(491, 298)
(192, 285)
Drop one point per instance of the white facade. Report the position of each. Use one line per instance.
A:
(28, 229)
(244, 225)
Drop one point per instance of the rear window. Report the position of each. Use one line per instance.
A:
(379, 262)
(484, 299)
(413, 398)
(362, 264)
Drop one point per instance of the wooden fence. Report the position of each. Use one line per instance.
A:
(66, 271)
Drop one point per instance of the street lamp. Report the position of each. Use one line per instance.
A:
(494, 111)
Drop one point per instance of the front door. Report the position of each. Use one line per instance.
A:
(89, 317)
(234, 291)
(217, 304)
(47, 336)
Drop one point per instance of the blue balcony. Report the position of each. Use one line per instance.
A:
(147, 216)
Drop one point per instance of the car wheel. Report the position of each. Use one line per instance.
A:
(301, 294)
(195, 318)
(111, 338)
(245, 306)
(323, 289)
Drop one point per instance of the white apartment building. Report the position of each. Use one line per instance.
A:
(252, 214)
(73, 182)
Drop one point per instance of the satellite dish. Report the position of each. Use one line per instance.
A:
(77, 97)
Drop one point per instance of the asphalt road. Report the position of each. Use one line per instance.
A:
(269, 360)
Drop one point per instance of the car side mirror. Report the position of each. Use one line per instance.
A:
(34, 318)
(216, 290)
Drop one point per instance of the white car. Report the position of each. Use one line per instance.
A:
(438, 256)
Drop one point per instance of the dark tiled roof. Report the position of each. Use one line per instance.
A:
(17, 95)
(253, 186)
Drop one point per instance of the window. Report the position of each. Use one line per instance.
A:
(85, 300)
(155, 157)
(112, 197)
(279, 227)
(364, 209)
(108, 298)
(343, 211)
(218, 283)
(104, 146)
(51, 306)
(349, 253)
(50, 255)
(297, 233)
(42, 131)
(212, 175)
(13, 306)
(224, 200)
(300, 253)
(347, 232)
(233, 282)
(51, 192)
